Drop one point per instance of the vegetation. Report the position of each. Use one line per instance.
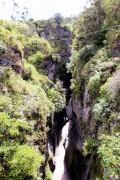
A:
(28, 98)
(110, 154)
(95, 69)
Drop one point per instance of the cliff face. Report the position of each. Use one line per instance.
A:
(13, 59)
(89, 119)
(55, 65)
(76, 112)
(82, 127)
(116, 49)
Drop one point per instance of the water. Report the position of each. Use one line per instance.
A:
(60, 172)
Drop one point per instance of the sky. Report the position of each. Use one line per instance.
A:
(43, 9)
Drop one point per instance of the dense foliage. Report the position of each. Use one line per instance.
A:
(28, 98)
(95, 68)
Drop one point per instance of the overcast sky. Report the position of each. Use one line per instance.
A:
(43, 9)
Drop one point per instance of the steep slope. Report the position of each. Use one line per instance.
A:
(94, 138)
(28, 98)
(59, 109)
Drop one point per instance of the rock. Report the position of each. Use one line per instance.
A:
(69, 111)
(86, 107)
(116, 49)
(13, 60)
(77, 107)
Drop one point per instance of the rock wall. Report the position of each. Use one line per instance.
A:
(75, 160)
(116, 49)
(13, 58)
(77, 113)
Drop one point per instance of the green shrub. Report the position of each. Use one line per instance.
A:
(89, 146)
(113, 87)
(68, 27)
(109, 152)
(5, 103)
(71, 64)
(110, 8)
(57, 98)
(12, 133)
(31, 94)
(101, 110)
(94, 84)
(10, 127)
(30, 72)
(25, 163)
(116, 128)
(87, 52)
(3, 47)
(16, 85)
(37, 44)
(11, 40)
(37, 60)
(48, 174)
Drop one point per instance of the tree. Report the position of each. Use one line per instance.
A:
(112, 12)
(57, 19)
(17, 15)
(39, 27)
(25, 14)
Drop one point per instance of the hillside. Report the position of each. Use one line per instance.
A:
(60, 96)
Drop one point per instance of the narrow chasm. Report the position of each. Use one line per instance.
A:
(65, 134)
(66, 141)
(60, 136)
(65, 137)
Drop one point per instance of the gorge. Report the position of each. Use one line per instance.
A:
(60, 96)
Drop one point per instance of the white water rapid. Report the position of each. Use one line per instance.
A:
(60, 172)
